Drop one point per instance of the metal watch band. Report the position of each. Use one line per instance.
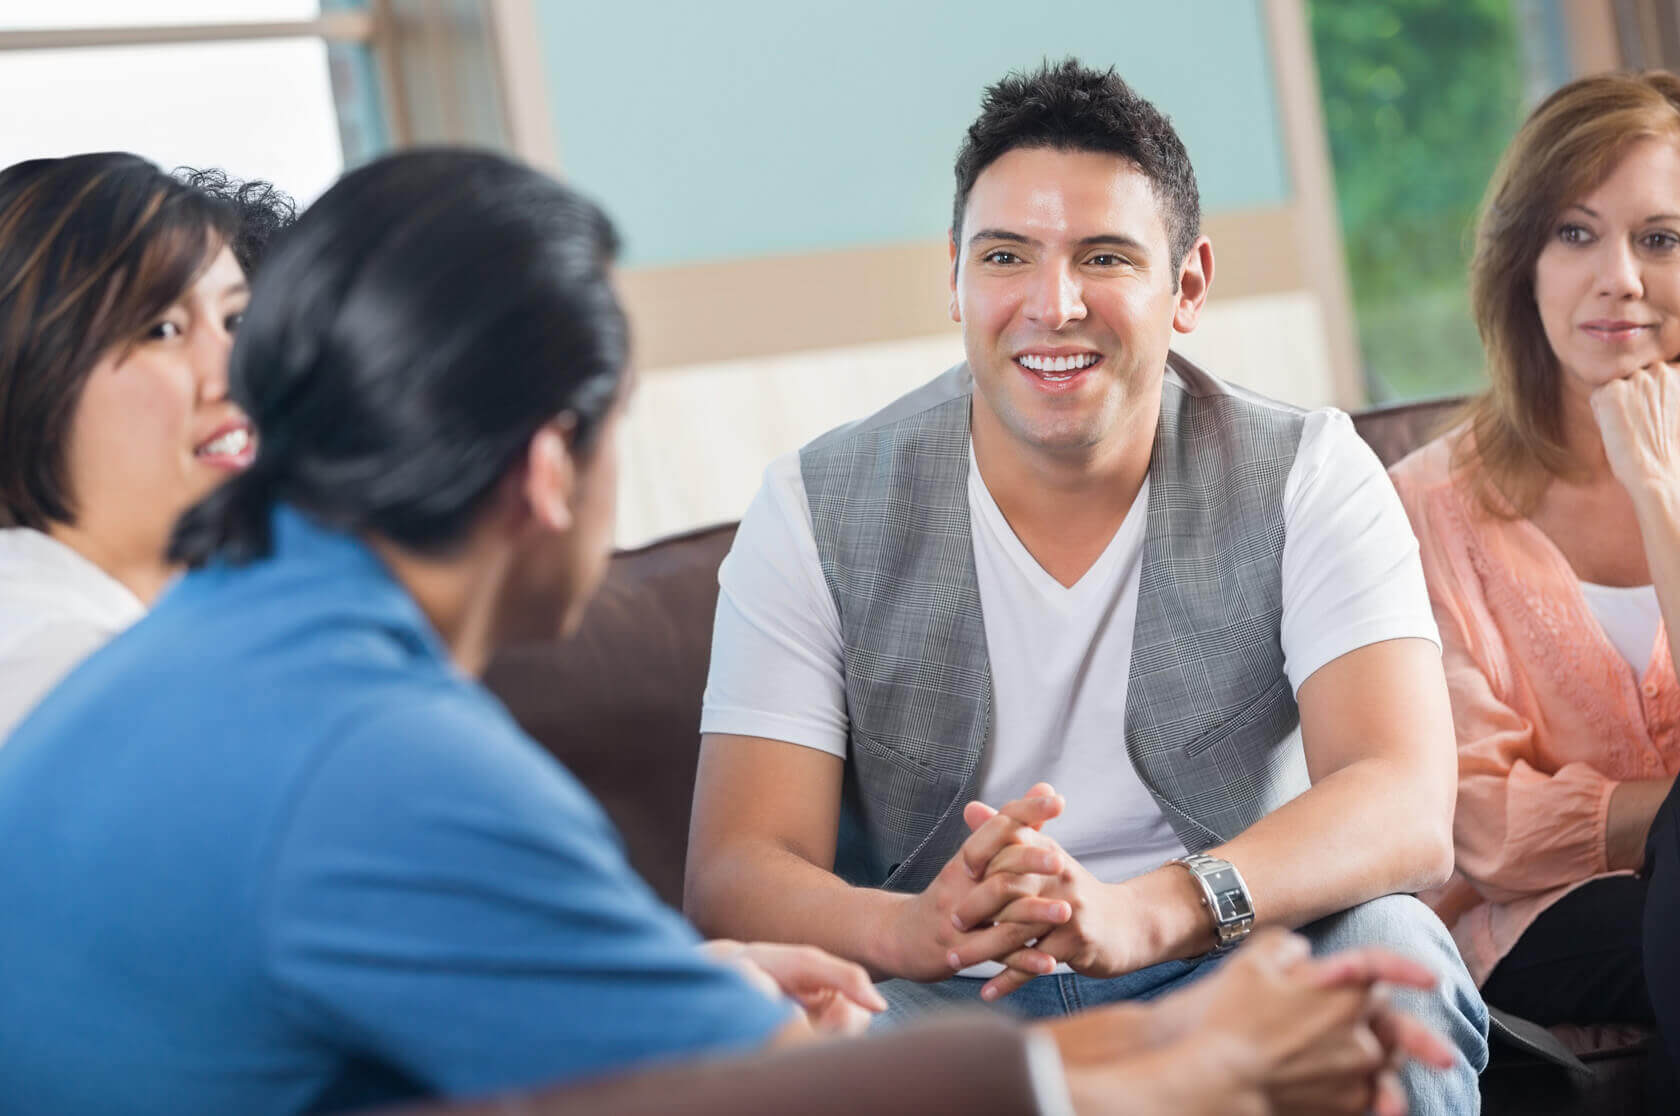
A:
(1230, 907)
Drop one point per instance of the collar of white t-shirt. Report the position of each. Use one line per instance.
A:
(1097, 582)
(56, 608)
(43, 581)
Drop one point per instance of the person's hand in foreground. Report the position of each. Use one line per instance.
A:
(837, 996)
(1273, 1031)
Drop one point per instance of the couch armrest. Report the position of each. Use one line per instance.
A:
(975, 1063)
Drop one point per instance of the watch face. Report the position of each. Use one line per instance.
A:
(1231, 901)
(1233, 905)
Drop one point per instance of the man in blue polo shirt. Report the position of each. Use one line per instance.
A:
(315, 866)
(273, 849)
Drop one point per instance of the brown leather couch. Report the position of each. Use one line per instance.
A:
(619, 704)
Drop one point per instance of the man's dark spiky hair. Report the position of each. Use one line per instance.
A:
(1070, 107)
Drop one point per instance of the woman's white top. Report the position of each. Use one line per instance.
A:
(56, 608)
(1629, 616)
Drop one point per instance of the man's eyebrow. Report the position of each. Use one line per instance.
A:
(1000, 234)
(1113, 240)
(1101, 240)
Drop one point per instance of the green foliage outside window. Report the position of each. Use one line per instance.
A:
(1420, 98)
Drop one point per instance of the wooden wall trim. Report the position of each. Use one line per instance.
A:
(1593, 43)
(520, 68)
(1301, 115)
(734, 309)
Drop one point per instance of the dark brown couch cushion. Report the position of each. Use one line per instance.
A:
(1395, 431)
(619, 702)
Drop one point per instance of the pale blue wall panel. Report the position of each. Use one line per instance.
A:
(755, 127)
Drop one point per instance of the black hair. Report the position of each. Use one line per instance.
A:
(93, 248)
(261, 211)
(1070, 107)
(405, 341)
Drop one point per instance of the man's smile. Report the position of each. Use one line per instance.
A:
(1057, 370)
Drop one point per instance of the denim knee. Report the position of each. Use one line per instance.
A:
(1453, 1009)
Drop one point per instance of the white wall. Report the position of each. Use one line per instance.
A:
(698, 437)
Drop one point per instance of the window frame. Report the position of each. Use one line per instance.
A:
(441, 66)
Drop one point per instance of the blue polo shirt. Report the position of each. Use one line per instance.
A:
(269, 852)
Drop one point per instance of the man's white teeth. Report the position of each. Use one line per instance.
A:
(230, 444)
(1058, 364)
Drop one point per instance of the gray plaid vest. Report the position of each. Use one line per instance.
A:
(1211, 724)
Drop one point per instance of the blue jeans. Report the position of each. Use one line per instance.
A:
(1454, 1009)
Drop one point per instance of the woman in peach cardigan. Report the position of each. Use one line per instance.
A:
(1550, 531)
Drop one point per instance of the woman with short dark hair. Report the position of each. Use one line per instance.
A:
(120, 290)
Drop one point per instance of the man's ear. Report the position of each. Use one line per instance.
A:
(1195, 276)
(551, 474)
(951, 242)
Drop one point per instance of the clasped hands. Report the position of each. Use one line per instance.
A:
(1327, 1038)
(1012, 894)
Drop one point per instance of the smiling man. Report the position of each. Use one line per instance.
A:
(1078, 563)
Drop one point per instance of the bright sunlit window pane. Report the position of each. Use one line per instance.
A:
(35, 14)
(255, 109)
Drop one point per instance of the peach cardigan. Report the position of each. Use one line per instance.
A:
(1549, 715)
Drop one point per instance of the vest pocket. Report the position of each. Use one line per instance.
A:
(1255, 712)
(865, 745)
(900, 802)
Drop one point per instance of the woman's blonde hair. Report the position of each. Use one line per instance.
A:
(1567, 146)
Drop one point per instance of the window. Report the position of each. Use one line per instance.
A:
(284, 90)
(1420, 98)
(124, 13)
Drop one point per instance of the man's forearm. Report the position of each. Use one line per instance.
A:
(1360, 833)
(1365, 831)
(1377, 733)
(759, 892)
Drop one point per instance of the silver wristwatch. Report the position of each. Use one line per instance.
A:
(1224, 895)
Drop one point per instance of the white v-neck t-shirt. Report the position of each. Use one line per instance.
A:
(1061, 656)
(1066, 651)
(1630, 616)
(56, 608)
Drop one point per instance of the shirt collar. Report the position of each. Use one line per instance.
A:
(35, 561)
(346, 570)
